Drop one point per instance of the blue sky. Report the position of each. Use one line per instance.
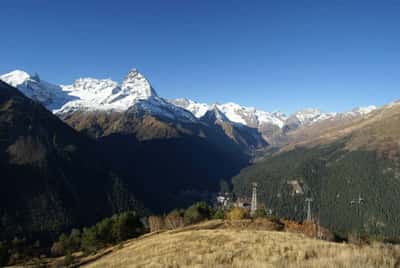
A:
(274, 55)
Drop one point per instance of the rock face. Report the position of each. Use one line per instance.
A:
(243, 135)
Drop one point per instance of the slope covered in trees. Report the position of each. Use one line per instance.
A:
(167, 164)
(336, 169)
(51, 177)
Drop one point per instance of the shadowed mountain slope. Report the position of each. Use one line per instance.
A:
(51, 177)
(167, 163)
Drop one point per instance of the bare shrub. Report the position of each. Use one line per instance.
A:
(156, 223)
(237, 214)
(174, 220)
(57, 249)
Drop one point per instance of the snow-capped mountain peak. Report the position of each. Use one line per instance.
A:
(239, 114)
(90, 94)
(96, 86)
(307, 115)
(311, 116)
(214, 114)
(106, 94)
(196, 108)
(32, 86)
(275, 118)
(135, 90)
(218, 113)
(15, 78)
(364, 110)
(136, 85)
(236, 113)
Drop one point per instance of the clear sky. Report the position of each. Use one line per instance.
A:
(273, 55)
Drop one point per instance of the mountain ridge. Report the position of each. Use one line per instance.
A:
(90, 94)
(305, 116)
(106, 94)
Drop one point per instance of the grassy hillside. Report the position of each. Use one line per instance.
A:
(207, 245)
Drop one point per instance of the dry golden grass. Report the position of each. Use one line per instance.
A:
(204, 246)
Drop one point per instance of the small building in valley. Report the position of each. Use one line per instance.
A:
(296, 187)
(243, 202)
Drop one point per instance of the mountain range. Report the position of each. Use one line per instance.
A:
(96, 141)
(272, 125)
(89, 94)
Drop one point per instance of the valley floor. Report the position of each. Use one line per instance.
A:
(208, 245)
